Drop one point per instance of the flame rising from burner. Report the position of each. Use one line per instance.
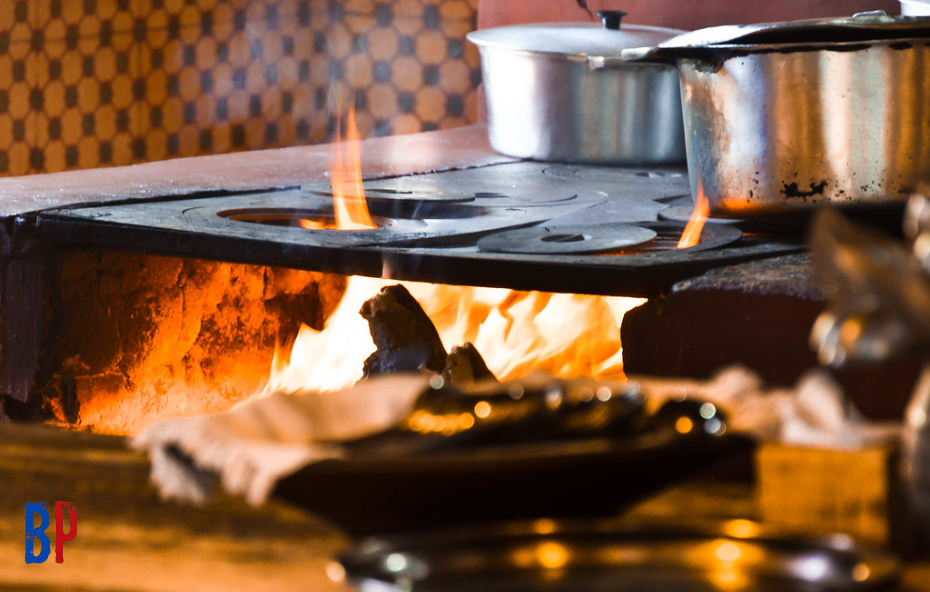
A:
(516, 333)
(349, 205)
(692, 233)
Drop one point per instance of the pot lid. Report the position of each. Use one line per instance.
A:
(576, 39)
(867, 26)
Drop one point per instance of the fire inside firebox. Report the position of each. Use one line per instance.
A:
(172, 368)
(515, 332)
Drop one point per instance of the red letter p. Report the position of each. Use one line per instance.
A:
(60, 536)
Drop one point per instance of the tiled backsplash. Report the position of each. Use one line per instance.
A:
(88, 83)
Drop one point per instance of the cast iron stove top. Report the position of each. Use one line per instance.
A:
(524, 225)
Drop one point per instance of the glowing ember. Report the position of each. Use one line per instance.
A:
(692, 234)
(346, 180)
(516, 333)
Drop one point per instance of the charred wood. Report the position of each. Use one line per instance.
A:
(407, 341)
(33, 409)
(405, 337)
(464, 366)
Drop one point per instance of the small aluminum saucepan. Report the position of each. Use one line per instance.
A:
(549, 96)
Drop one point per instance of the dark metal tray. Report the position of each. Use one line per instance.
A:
(574, 478)
(616, 556)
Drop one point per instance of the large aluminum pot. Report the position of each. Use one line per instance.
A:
(547, 101)
(798, 114)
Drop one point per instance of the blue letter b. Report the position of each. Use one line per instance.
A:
(37, 533)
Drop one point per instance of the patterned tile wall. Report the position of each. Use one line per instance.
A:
(90, 83)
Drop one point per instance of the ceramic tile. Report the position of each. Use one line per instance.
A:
(108, 82)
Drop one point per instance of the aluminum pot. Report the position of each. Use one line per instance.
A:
(797, 114)
(547, 100)
(915, 7)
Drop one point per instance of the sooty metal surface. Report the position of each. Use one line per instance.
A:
(617, 239)
(566, 238)
(443, 227)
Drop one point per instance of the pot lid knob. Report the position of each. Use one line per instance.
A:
(611, 18)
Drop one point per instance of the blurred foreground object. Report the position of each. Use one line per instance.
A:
(406, 451)
(398, 451)
(619, 555)
(878, 295)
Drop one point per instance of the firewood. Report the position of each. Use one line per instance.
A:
(405, 337)
(464, 366)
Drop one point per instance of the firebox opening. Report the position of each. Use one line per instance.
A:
(130, 338)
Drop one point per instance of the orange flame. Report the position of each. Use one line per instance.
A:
(692, 233)
(516, 332)
(346, 179)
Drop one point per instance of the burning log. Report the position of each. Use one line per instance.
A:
(464, 366)
(407, 340)
(405, 337)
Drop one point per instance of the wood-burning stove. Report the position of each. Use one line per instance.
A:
(448, 210)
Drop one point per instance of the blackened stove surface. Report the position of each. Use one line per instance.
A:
(429, 227)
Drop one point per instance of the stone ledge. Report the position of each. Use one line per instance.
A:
(758, 314)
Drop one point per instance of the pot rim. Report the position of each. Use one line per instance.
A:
(590, 61)
(840, 34)
(801, 46)
(480, 38)
(571, 57)
(672, 55)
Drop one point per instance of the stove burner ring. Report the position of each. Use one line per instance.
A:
(414, 193)
(684, 213)
(607, 239)
(492, 195)
(309, 219)
(713, 236)
(566, 239)
(384, 213)
(570, 172)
